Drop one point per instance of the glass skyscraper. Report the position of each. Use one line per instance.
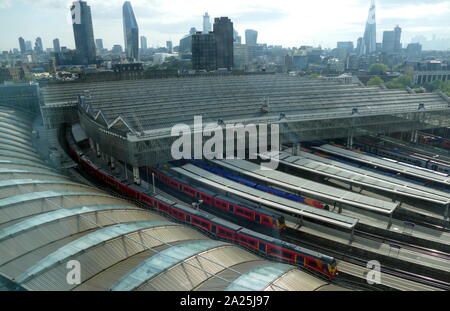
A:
(370, 35)
(251, 37)
(223, 33)
(83, 32)
(131, 32)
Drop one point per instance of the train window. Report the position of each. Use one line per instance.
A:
(164, 207)
(275, 251)
(221, 231)
(287, 255)
(312, 263)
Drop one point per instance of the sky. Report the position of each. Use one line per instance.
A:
(282, 22)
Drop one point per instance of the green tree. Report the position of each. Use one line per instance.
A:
(375, 81)
(400, 83)
(379, 69)
(433, 86)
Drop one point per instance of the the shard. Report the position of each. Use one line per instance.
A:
(131, 32)
(370, 35)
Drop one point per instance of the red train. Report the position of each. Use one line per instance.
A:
(253, 214)
(256, 242)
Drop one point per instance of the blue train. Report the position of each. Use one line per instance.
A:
(246, 182)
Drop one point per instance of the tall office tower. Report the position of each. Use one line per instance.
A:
(144, 45)
(28, 46)
(56, 46)
(236, 37)
(204, 54)
(131, 32)
(38, 46)
(169, 46)
(83, 31)
(23, 47)
(370, 34)
(414, 50)
(186, 42)
(251, 37)
(346, 45)
(359, 46)
(388, 41)
(398, 39)
(206, 23)
(223, 33)
(99, 45)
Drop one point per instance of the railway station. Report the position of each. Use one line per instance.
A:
(105, 185)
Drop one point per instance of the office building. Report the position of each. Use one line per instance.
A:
(388, 41)
(204, 51)
(99, 44)
(206, 24)
(398, 38)
(28, 46)
(131, 32)
(347, 46)
(38, 46)
(169, 46)
(369, 44)
(23, 48)
(223, 33)
(83, 32)
(56, 46)
(251, 37)
(144, 45)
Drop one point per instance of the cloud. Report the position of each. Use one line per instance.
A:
(286, 22)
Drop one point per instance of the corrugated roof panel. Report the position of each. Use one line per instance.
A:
(259, 278)
(163, 261)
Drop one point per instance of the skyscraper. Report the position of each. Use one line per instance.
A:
(223, 33)
(38, 46)
(251, 37)
(29, 46)
(23, 47)
(99, 45)
(206, 23)
(131, 32)
(56, 46)
(186, 42)
(83, 32)
(204, 54)
(169, 46)
(144, 43)
(398, 38)
(370, 35)
(346, 45)
(236, 37)
(388, 41)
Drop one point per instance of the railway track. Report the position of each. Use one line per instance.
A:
(391, 277)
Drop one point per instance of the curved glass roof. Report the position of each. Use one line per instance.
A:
(18, 155)
(17, 136)
(41, 229)
(21, 198)
(21, 171)
(259, 278)
(53, 216)
(21, 163)
(87, 242)
(163, 261)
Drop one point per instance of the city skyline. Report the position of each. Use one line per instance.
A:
(162, 22)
